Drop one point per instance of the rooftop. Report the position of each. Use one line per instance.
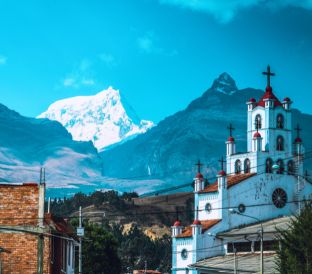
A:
(231, 181)
(187, 231)
(246, 263)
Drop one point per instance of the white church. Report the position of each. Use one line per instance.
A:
(255, 190)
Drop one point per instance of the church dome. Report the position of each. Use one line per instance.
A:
(252, 100)
(257, 135)
(199, 176)
(298, 140)
(287, 99)
(222, 173)
(177, 223)
(196, 222)
(231, 139)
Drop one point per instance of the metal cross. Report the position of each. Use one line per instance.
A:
(222, 161)
(198, 164)
(230, 128)
(268, 73)
(298, 129)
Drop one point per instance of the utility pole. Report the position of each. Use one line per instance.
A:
(80, 234)
(261, 249)
(235, 260)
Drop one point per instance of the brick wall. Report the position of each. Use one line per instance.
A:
(19, 204)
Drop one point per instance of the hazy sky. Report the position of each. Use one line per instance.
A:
(160, 54)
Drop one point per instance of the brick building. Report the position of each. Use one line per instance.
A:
(30, 240)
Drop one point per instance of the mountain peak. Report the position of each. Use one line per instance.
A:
(101, 118)
(224, 84)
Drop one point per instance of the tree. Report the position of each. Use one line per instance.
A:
(295, 254)
(100, 251)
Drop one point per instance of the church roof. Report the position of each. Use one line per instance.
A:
(269, 95)
(187, 231)
(231, 181)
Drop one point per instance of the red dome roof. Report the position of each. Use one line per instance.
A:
(196, 222)
(257, 135)
(287, 99)
(252, 100)
(199, 176)
(231, 139)
(177, 223)
(298, 140)
(269, 95)
(222, 173)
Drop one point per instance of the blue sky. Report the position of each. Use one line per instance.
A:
(161, 54)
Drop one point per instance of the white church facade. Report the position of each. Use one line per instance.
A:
(265, 183)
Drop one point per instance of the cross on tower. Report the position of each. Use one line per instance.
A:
(268, 73)
(230, 128)
(222, 161)
(298, 129)
(198, 164)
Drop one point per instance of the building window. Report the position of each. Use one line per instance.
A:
(184, 254)
(290, 167)
(279, 197)
(238, 166)
(247, 166)
(280, 164)
(268, 165)
(208, 207)
(280, 121)
(280, 143)
(258, 122)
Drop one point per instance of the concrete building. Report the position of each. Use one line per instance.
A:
(262, 184)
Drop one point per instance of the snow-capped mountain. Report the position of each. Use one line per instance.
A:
(104, 118)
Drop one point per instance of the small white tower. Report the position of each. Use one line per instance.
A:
(230, 143)
(196, 226)
(286, 103)
(176, 228)
(199, 183)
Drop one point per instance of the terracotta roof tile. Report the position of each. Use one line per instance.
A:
(58, 224)
(269, 95)
(231, 181)
(187, 231)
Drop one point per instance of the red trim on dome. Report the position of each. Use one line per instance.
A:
(221, 173)
(298, 140)
(196, 222)
(257, 135)
(252, 100)
(231, 139)
(287, 99)
(177, 223)
(269, 95)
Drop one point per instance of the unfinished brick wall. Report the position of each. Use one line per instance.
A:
(19, 204)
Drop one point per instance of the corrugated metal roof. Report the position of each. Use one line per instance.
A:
(246, 263)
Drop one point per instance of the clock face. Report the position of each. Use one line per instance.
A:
(279, 197)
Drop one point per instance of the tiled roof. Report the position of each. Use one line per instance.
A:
(231, 181)
(269, 95)
(58, 224)
(187, 231)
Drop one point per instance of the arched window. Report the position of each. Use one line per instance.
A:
(258, 122)
(238, 166)
(268, 165)
(247, 166)
(280, 163)
(280, 121)
(280, 143)
(290, 167)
